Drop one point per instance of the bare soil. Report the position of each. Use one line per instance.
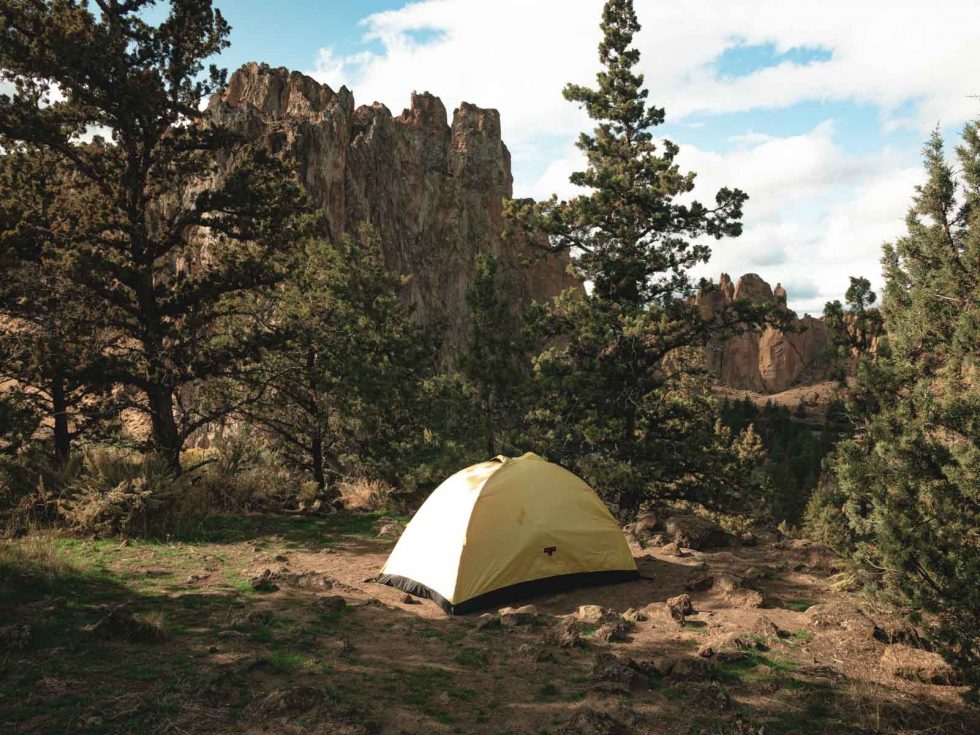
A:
(116, 637)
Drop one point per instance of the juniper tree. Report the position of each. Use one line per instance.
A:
(852, 327)
(135, 238)
(910, 477)
(621, 392)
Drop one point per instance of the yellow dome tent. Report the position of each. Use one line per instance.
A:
(504, 529)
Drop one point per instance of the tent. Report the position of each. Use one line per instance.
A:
(507, 528)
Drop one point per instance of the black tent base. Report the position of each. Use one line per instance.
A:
(513, 592)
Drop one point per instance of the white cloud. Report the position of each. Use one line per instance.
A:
(818, 213)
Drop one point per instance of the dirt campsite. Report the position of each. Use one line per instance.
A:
(264, 624)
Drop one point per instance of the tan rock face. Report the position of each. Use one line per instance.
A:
(765, 360)
(432, 191)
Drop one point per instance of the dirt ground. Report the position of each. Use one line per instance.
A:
(145, 637)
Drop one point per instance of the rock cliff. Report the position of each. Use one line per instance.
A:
(766, 360)
(432, 191)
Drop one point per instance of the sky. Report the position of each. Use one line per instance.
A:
(818, 110)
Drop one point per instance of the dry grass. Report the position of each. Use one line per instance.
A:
(37, 556)
(361, 493)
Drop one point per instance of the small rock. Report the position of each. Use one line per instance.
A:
(488, 620)
(195, 578)
(682, 603)
(443, 698)
(634, 616)
(212, 649)
(409, 600)
(328, 603)
(612, 632)
(345, 647)
(748, 539)
(534, 653)
(590, 614)
(663, 614)
(513, 616)
(612, 674)
(767, 630)
(696, 533)
(565, 634)
(264, 582)
(745, 598)
(918, 665)
(672, 549)
(731, 647)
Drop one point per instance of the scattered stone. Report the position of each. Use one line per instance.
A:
(901, 632)
(688, 668)
(696, 533)
(612, 632)
(613, 674)
(565, 634)
(328, 604)
(745, 598)
(280, 558)
(345, 647)
(443, 698)
(195, 578)
(634, 616)
(263, 582)
(918, 665)
(767, 630)
(661, 613)
(390, 528)
(731, 647)
(513, 616)
(672, 549)
(682, 603)
(590, 614)
(212, 649)
(15, 637)
(487, 621)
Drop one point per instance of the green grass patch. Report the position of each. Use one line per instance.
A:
(471, 658)
(799, 605)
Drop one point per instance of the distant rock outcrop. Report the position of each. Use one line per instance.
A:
(764, 360)
(433, 192)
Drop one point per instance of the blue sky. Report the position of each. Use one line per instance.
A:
(817, 110)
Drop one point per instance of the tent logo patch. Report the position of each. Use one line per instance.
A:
(550, 550)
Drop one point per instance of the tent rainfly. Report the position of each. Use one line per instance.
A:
(507, 528)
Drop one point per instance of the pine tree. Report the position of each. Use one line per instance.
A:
(910, 477)
(494, 363)
(621, 393)
(133, 234)
(50, 347)
(342, 392)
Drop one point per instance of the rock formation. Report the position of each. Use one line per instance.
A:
(765, 360)
(433, 192)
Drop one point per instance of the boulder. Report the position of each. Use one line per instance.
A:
(263, 582)
(731, 647)
(590, 614)
(694, 532)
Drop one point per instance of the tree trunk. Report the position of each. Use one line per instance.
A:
(316, 458)
(165, 436)
(59, 402)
